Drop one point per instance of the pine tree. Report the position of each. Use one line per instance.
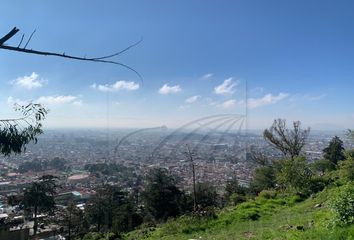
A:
(335, 151)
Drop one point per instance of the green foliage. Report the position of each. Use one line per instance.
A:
(294, 174)
(346, 168)
(237, 198)
(126, 218)
(206, 196)
(73, 221)
(263, 178)
(161, 196)
(39, 198)
(267, 194)
(15, 134)
(335, 151)
(322, 166)
(111, 209)
(101, 236)
(343, 205)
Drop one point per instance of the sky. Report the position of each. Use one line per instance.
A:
(263, 59)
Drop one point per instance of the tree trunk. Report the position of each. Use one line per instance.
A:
(35, 225)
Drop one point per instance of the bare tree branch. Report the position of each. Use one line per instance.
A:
(63, 55)
(120, 52)
(9, 35)
(29, 39)
(23, 35)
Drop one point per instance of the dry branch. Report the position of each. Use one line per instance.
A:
(102, 59)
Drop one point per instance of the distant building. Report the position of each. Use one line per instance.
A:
(79, 178)
(65, 198)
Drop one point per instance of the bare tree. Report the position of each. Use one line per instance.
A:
(258, 157)
(289, 141)
(190, 155)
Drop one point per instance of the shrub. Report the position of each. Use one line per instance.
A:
(294, 174)
(346, 168)
(268, 194)
(236, 198)
(343, 205)
(263, 178)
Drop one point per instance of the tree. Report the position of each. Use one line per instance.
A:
(161, 195)
(73, 221)
(335, 151)
(322, 166)
(126, 217)
(39, 198)
(234, 191)
(257, 157)
(207, 196)
(346, 168)
(294, 174)
(16, 133)
(263, 179)
(104, 204)
(289, 141)
(112, 210)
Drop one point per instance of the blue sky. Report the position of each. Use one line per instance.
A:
(297, 58)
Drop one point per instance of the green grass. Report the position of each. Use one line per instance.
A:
(283, 217)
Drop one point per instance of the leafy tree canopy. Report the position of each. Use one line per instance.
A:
(16, 133)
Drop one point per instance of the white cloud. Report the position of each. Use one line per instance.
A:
(77, 103)
(228, 104)
(308, 97)
(48, 100)
(183, 107)
(11, 101)
(192, 99)
(226, 88)
(207, 76)
(165, 89)
(119, 85)
(268, 99)
(316, 98)
(59, 100)
(29, 82)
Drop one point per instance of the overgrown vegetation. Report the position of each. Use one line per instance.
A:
(287, 199)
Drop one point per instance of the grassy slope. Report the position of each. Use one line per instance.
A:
(278, 219)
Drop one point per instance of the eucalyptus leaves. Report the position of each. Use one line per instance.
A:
(16, 133)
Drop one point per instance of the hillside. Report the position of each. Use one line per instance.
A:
(266, 217)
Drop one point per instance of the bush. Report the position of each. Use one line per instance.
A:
(343, 205)
(346, 168)
(317, 184)
(294, 174)
(100, 236)
(237, 198)
(267, 194)
(263, 178)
